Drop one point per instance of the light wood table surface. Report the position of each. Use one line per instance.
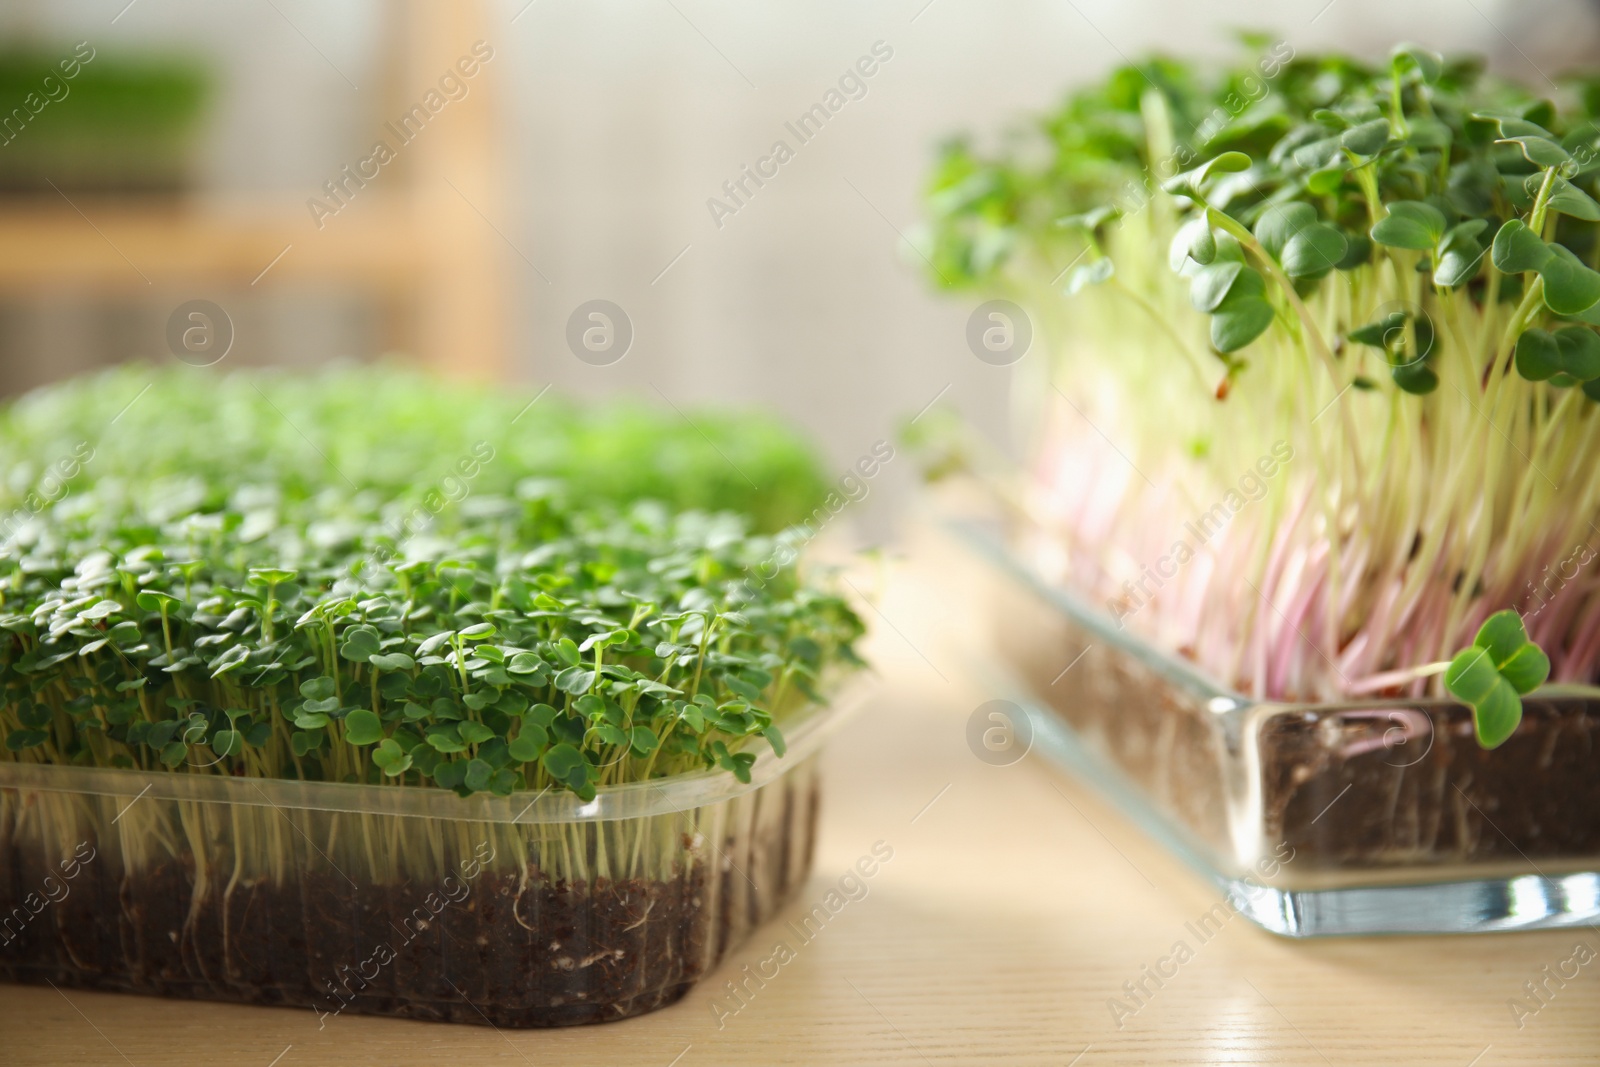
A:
(1016, 904)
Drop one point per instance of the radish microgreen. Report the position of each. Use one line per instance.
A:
(1393, 268)
(1494, 673)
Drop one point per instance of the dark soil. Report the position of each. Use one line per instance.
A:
(553, 955)
(1439, 797)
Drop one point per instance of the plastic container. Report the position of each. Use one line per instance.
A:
(1377, 816)
(532, 910)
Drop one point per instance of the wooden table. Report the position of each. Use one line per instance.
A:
(1015, 906)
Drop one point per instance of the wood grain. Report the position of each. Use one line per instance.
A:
(1016, 904)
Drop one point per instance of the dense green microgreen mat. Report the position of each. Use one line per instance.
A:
(369, 575)
(1384, 270)
(193, 439)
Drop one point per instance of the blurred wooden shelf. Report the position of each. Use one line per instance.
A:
(419, 237)
(116, 243)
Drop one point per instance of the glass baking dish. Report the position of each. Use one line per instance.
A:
(1366, 817)
(523, 911)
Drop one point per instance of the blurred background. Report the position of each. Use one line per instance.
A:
(538, 155)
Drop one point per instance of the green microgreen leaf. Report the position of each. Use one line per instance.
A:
(473, 733)
(477, 775)
(1538, 356)
(1194, 240)
(1428, 65)
(643, 741)
(1190, 182)
(1243, 314)
(563, 761)
(155, 600)
(1222, 163)
(435, 642)
(392, 661)
(1367, 139)
(1091, 220)
(1511, 125)
(1570, 287)
(444, 738)
(1313, 251)
(362, 727)
(526, 747)
(1418, 379)
(227, 743)
(1570, 200)
(1087, 274)
(1538, 150)
(22, 740)
(1460, 256)
(1279, 222)
(360, 643)
(1579, 352)
(270, 575)
(1326, 181)
(1211, 283)
(1410, 224)
(392, 759)
(1493, 674)
(1518, 249)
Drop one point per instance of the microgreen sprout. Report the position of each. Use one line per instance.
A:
(210, 612)
(1494, 673)
(1390, 267)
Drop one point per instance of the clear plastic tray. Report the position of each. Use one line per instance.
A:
(520, 911)
(1381, 816)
